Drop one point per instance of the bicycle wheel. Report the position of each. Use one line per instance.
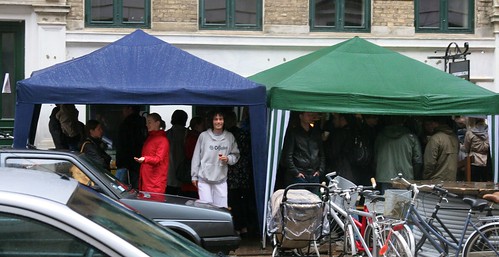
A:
(349, 247)
(394, 245)
(408, 236)
(486, 245)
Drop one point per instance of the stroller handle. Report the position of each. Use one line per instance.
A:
(307, 185)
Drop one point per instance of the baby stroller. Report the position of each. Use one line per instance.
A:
(297, 220)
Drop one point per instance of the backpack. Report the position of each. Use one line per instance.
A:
(360, 153)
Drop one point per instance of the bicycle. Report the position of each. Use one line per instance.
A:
(483, 241)
(384, 239)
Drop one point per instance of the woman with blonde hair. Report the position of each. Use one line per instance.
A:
(155, 156)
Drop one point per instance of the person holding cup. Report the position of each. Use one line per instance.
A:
(215, 149)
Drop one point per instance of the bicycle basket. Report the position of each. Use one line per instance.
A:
(396, 203)
(344, 183)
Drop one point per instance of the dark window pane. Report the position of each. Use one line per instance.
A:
(22, 236)
(133, 10)
(354, 13)
(458, 14)
(325, 13)
(8, 63)
(102, 10)
(429, 14)
(245, 12)
(215, 11)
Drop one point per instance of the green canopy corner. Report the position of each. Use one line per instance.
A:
(357, 76)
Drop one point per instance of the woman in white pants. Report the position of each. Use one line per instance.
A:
(215, 149)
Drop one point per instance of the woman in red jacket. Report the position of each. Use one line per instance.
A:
(154, 159)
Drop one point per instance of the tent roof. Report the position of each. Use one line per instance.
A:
(356, 76)
(139, 68)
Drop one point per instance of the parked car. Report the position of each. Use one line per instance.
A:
(206, 225)
(48, 214)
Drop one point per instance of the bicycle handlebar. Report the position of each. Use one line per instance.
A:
(415, 188)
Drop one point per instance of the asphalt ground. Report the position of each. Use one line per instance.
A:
(252, 247)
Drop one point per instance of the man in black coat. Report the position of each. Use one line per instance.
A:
(131, 136)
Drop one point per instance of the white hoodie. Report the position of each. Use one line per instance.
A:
(205, 163)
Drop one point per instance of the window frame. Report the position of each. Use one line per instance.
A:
(117, 14)
(443, 17)
(340, 27)
(230, 21)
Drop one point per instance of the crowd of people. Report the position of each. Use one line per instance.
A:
(358, 147)
(210, 160)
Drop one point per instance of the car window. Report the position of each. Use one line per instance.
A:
(50, 165)
(135, 229)
(22, 236)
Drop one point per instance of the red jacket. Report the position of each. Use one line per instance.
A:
(154, 169)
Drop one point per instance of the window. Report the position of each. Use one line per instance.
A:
(453, 16)
(23, 236)
(117, 13)
(340, 15)
(230, 14)
(63, 167)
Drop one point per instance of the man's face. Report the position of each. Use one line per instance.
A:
(308, 117)
(218, 122)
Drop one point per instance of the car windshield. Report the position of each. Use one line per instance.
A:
(109, 179)
(139, 231)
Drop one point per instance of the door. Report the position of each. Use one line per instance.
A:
(11, 70)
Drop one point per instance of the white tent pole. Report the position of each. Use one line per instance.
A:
(277, 128)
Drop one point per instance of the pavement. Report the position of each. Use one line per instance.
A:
(252, 247)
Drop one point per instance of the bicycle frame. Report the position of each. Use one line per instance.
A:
(429, 232)
(357, 226)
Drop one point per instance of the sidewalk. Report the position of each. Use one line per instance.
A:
(252, 247)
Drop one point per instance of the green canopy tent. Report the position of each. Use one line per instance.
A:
(356, 76)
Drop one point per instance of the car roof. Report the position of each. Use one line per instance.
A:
(38, 183)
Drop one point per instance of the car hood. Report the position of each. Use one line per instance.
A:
(172, 207)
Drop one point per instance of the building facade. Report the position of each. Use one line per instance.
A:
(244, 36)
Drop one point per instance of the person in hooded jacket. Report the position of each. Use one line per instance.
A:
(477, 145)
(441, 153)
(155, 156)
(396, 150)
(215, 149)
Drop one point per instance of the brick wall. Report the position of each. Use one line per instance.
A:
(183, 14)
(484, 11)
(286, 12)
(174, 10)
(76, 12)
(393, 13)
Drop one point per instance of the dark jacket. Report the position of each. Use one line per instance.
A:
(95, 149)
(176, 137)
(303, 152)
(131, 136)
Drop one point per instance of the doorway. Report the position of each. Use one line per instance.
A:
(11, 70)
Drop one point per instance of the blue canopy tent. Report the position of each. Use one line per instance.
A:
(142, 69)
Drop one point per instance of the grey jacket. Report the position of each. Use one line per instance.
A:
(397, 150)
(205, 163)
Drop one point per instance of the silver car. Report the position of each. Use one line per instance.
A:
(206, 225)
(44, 214)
